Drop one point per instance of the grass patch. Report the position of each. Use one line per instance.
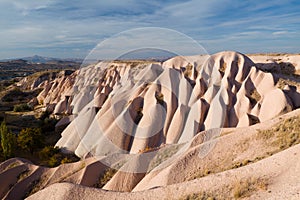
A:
(240, 189)
(283, 135)
(38, 185)
(23, 175)
(163, 155)
(198, 196)
(244, 188)
(108, 174)
(203, 173)
(62, 178)
(12, 165)
(31, 187)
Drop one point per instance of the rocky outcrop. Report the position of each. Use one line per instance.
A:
(278, 63)
(125, 107)
(56, 95)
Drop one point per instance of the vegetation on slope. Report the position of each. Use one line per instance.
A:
(22, 107)
(8, 141)
(241, 189)
(108, 174)
(283, 135)
(28, 132)
(30, 143)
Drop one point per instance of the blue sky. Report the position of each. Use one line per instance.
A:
(72, 28)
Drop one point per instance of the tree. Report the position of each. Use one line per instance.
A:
(8, 141)
(52, 156)
(30, 139)
(48, 152)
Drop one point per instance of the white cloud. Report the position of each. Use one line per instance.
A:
(280, 33)
(25, 7)
(44, 25)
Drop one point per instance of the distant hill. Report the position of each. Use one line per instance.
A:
(42, 59)
(14, 68)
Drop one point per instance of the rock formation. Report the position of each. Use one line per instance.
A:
(126, 107)
(173, 129)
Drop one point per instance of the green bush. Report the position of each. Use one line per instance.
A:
(108, 174)
(55, 160)
(44, 115)
(8, 141)
(30, 139)
(67, 160)
(22, 108)
(52, 156)
(48, 124)
(48, 152)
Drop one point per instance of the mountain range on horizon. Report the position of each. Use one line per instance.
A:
(134, 55)
(42, 59)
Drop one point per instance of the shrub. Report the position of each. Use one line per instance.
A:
(286, 68)
(255, 96)
(198, 196)
(23, 175)
(108, 174)
(60, 158)
(244, 188)
(22, 108)
(48, 124)
(48, 152)
(66, 160)
(223, 67)
(147, 149)
(54, 160)
(30, 139)
(188, 70)
(44, 115)
(159, 97)
(52, 156)
(139, 115)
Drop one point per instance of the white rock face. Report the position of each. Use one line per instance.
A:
(128, 107)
